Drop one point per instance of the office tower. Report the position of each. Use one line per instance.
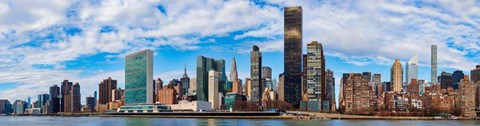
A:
(76, 98)
(19, 107)
(159, 86)
(193, 86)
(475, 74)
(29, 103)
(377, 79)
(185, 80)
(413, 89)
(42, 100)
(412, 69)
(267, 78)
(281, 87)
(213, 94)
(456, 77)
(54, 99)
(367, 75)
(377, 84)
(117, 94)
(90, 104)
(105, 90)
(138, 78)
(95, 101)
(65, 99)
(256, 74)
(293, 54)
(315, 73)
(355, 94)
(247, 87)
(5, 107)
(304, 78)
(434, 63)
(445, 80)
(396, 76)
(330, 91)
(204, 65)
(233, 70)
(237, 86)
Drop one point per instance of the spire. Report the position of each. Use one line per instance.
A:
(185, 72)
(233, 70)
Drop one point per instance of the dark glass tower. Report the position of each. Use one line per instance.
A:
(204, 65)
(293, 54)
(105, 90)
(64, 97)
(256, 74)
(54, 99)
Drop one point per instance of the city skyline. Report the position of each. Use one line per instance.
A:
(33, 61)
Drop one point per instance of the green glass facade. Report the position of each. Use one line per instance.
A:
(138, 76)
(204, 65)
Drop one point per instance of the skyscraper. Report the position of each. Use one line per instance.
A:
(256, 74)
(204, 65)
(267, 77)
(213, 96)
(434, 63)
(65, 99)
(281, 87)
(76, 98)
(396, 76)
(90, 102)
(330, 90)
(293, 54)
(475, 74)
(456, 77)
(233, 70)
(445, 80)
(139, 78)
(105, 88)
(54, 99)
(42, 100)
(315, 72)
(185, 82)
(412, 69)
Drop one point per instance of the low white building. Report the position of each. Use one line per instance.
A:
(193, 106)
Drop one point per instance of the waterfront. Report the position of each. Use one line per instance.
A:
(121, 121)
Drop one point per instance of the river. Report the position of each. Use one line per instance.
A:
(121, 121)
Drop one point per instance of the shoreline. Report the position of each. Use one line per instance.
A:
(312, 116)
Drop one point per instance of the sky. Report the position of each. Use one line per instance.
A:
(43, 42)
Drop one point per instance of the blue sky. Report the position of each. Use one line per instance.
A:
(85, 41)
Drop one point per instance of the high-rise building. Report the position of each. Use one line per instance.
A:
(367, 75)
(456, 77)
(281, 87)
(76, 98)
(315, 71)
(213, 94)
(204, 65)
(159, 86)
(233, 70)
(256, 74)
(475, 74)
(95, 101)
(5, 107)
(445, 80)
(42, 100)
(19, 107)
(467, 99)
(267, 72)
(434, 63)
(330, 91)
(396, 76)
(139, 78)
(185, 83)
(193, 86)
(105, 88)
(355, 94)
(65, 99)
(412, 69)
(293, 54)
(167, 94)
(54, 99)
(90, 102)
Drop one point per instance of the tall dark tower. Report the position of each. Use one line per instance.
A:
(293, 54)
(256, 74)
(54, 99)
(65, 95)
(76, 98)
(105, 90)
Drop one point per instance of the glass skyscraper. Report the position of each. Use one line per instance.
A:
(293, 54)
(139, 78)
(412, 69)
(204, 65)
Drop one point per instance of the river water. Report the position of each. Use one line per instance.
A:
(120, 121)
